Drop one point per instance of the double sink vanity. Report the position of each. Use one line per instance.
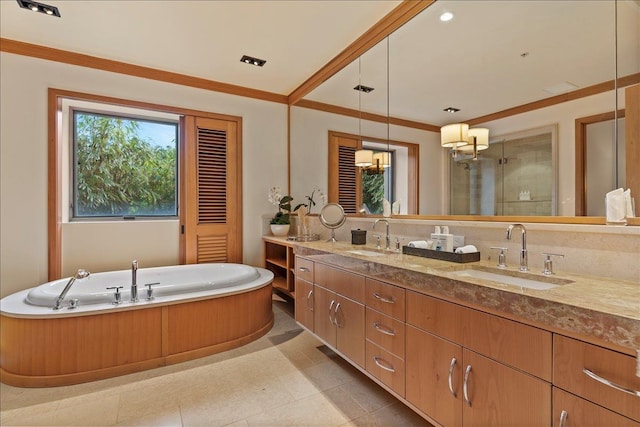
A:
(474, 344)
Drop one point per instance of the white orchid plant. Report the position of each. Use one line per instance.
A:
(284, 206)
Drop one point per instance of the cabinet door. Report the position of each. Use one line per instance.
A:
(572, 411)
(323, 314)
(349, 319)
(431, 363)
(498, 395)
(304, 303)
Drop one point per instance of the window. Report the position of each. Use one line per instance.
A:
(123, 166)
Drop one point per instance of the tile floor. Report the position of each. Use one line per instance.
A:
(286, 378)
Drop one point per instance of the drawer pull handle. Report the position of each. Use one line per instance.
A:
(331, 319)
(379, 361)
(304, 269)
(384, 329)
(309, 295)
(563, 418)
(611, 384)
(335, 316)
(383, 299)
(465, 385)
(451, 366)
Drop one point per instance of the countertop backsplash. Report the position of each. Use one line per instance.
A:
(603, 251)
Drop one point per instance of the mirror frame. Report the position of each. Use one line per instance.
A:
(385, 27)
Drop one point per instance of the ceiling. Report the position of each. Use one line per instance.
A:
(473, 62)
(203, 38)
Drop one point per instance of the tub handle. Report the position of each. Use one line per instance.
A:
(150, 291)
(117, 296)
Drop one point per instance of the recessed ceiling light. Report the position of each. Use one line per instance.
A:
(39, 7)
(253, 61)
(446, 16)
(451, 110)
(363, 88)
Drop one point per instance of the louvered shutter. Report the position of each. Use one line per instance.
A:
(212, 191)
(345, 186)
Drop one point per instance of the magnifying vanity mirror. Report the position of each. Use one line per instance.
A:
(508, 66)
(332, 216)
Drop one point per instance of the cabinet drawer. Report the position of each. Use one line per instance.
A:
(342, 282)
(385, 331)
(573, 411)
(304, 269)
(434, 316)
(571, 359)
(386, 367)
(385, 298)
(513, 343)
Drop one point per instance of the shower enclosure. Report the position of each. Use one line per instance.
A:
(516, 175)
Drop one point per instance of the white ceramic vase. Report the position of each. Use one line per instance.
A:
(280, 230)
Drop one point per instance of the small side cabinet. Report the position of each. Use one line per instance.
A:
(279, 259)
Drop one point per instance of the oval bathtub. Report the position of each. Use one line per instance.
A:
(196, 310)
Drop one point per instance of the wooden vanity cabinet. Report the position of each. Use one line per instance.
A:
(573, 359)
(338, 318)
(573, 411)
(304, 306)
(385, 333)
(434, 376)
(459, 386)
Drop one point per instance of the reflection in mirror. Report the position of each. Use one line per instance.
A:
(378, 179)
(515, 176)
(540, 68)
(601, 175)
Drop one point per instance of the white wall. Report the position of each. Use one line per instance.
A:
(23, 155)
(310, 153)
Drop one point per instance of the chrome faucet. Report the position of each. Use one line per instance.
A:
(388, 238)
(80, 274)
(134, 281)
(524, 261)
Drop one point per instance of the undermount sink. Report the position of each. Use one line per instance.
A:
(365, 252)
(507, 277)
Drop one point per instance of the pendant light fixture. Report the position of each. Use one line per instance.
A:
(459, 138)
(364, 158)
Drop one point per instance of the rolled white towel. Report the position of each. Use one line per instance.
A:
(466, 249)
(422, 244)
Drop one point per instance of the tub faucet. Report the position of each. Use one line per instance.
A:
(134, 281)
(80, 274)
(388, 238)
(524, 262)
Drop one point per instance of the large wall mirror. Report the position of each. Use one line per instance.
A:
(490, 61)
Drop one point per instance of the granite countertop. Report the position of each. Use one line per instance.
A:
(598, 309)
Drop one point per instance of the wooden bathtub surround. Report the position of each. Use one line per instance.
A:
(459, 365)
(73, 350)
